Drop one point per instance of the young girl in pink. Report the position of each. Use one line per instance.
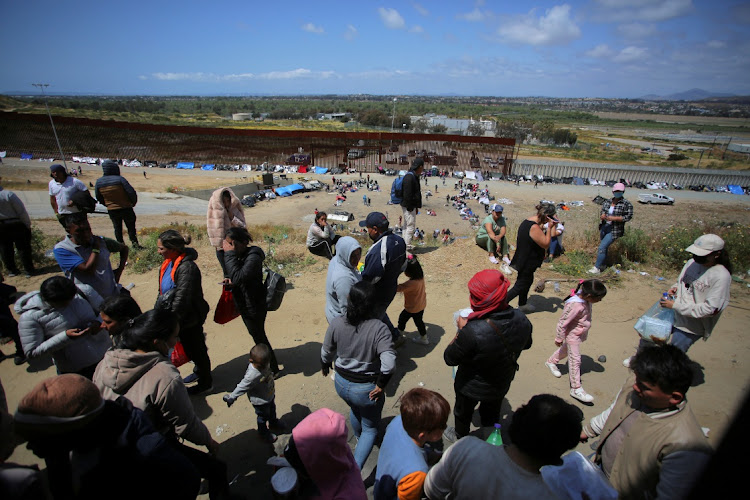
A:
(572, 329)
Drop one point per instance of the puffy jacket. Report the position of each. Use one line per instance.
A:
(153, 384)
(385, 278)
(487, 363)
(412, 192)
(187, 299)
(42, 331)
(246, 272)
(341, 277)
(219, 220)
(113, 190)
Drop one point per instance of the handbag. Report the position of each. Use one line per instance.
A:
(275, 289)
(226, 310)
(656, 324)
(164, 300)
(178, 356)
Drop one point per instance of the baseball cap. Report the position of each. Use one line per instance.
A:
(56, 168)
(496, 207)
(706, 244)
(618, 187)
(374, 219)
(418, 162)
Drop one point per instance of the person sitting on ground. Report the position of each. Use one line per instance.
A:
(115, 192)
(321, 237)
(259, 387)
(115, 312)
(342, 275)
(58, 322)
(540, 432)
(141, 372)
(95, 448)
(491, 235)
(84, 258)
(402, 466)
(651, 442)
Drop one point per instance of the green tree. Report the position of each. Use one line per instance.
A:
(420, 126)
(438, 129)
(475, 129)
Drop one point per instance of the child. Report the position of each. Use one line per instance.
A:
(402, 466)
(415, 299)
(258, 384)
(572, 329)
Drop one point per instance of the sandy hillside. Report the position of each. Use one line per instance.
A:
(297, 329)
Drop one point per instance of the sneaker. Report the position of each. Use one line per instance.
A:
(190, 378)
(506, 260)
(400, 341)
(626, 362)
(19, 359)
(553, 368)
(527, 308)
(581, 395)
(449, 434)
(421, 339)
(506, 269)
(200, 389)
(493, 260)
(594, 270)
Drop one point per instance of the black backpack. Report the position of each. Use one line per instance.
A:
(83, 201)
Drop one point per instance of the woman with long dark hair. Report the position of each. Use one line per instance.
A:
(531, 245)
(181, 292)
(244, 263)
(321, 238)
(362, 348)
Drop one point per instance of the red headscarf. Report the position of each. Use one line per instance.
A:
(488, 290)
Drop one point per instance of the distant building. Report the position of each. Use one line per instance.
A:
(739, 148)
(332, 116)
(455, 125)
(242, 116)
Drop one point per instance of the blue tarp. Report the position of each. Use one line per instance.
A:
(735, 189)
(321, 170)
(25, 156)
(289, 190)
(578, 181)
(207, 167)
(187, 165)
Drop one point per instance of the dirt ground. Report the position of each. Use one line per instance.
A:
(297, 329)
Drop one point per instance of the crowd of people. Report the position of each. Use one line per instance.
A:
(119, 406)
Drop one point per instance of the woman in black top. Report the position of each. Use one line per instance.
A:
(531, 245)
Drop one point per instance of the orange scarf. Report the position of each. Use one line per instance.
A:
(164, 266)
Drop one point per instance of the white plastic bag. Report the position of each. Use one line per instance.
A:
(656, 324)
(577, 478)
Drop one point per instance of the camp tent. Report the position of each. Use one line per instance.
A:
(25, 156)
(302, 169)
(321, 170)
(578, 181)
(186, 165)
(207, 167)
(735, 189)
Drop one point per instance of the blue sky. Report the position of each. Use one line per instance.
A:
(586, 48)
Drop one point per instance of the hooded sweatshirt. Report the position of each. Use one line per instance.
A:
(153, 384)
(113, 190)
(341, 277)
(219, 220)
(321, 442)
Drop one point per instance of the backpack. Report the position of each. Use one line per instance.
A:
(397, 190)
(275, 289)
(83, 201)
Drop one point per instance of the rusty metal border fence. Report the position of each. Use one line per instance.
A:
(31, 133)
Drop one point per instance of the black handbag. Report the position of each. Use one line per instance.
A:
(275, 289)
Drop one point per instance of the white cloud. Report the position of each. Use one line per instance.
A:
(294, 74)
(416, 29)
(643, 10)
(474, 16)
(600, 52)
(351, 32)
(391, 18)
(422, 11)
(555, 27)
(630, 54)
(636, 31)
(716, 44)
(311, 28)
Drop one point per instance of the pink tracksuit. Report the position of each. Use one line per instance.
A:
(572, 329)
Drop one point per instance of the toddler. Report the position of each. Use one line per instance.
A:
(415, 299)
(572, 329)
(259, 386)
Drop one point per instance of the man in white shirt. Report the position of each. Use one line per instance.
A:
(62, 187)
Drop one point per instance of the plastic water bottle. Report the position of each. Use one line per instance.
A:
(557, 286)
(495, 438)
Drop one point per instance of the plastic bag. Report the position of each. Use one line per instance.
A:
(577, 478)
(275, 290)
(656, 324)
(178, 356)
(226, 310)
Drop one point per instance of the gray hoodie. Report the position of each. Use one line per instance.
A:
(341, 276)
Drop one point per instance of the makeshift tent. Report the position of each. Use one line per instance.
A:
(468, 174)
(302, 169)
(320, 170)
(735, 189)
(289, 190)
(186, 165)
(208, 167)
(25, 156)
(578, 181)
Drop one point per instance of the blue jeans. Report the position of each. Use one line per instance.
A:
(266, 415)
(605, 233)
(555, 248)
(364, 415)
(683, 340)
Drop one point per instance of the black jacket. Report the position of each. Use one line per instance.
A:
(487, 363)
(412, 192)
(187, 300)
(246, 272)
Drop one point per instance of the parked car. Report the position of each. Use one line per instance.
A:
(655, 198)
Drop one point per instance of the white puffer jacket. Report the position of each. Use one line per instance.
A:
(42, 331)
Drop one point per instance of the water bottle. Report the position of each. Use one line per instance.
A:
(495, 438)
(557, 286)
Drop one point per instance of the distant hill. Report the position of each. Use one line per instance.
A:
(688, 95)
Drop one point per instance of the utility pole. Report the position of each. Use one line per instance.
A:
(42, 86)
